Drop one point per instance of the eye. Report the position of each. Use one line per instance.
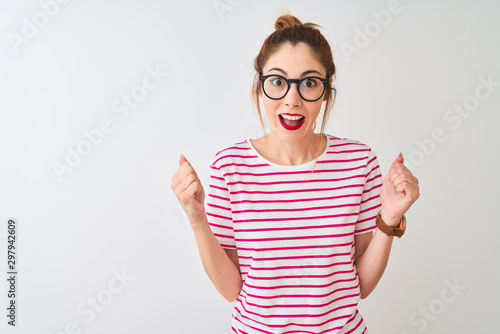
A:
(277, 81)
(310, 83)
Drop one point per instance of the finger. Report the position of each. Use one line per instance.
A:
(405, 176)
(184, 170)
(193, 189)
(182, 173)
(183, 188)
(182, 159)
(411, 192)
(395, 170)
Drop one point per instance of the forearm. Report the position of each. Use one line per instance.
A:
(221, 270)
(372, 263)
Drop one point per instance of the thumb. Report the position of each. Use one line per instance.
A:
(391, 174)
(182, 160)
(399, 159)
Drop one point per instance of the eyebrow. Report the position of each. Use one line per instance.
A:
(284, 72)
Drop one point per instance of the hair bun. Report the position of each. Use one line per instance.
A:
(286, 20)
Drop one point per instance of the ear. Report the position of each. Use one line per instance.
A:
(331, 91)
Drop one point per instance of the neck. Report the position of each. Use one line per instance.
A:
(297, 152)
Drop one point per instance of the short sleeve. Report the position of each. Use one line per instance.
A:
(218, 208)
(370, 199)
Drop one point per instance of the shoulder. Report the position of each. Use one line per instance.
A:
(352, 150)
(347, 143)
(240, 149)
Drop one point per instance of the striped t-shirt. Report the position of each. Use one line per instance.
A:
(293, 228)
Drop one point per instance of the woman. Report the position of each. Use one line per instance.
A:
(290, 227)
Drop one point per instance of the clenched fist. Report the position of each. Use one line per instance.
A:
(187, 187)
(399, 191)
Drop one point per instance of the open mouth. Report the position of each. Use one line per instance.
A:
(291, 122)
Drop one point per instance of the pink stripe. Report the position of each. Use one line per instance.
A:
(371, 208)
(293, 247)
(218, 216)
(254, 328)
(302, 315)
(291, 323)
(217, 178)
(374, 169)
(293, 257)
(294, 238)
(213, 167)
(223, 236)
(349, 151)
(295, 191)
(299, 285)
(367, 219)
(365, 229)
(302, 276)
(299, 209)
(373, 178)
(302, 266)
(359, 323)
(234, 156)
(243, 165)
(370, 198)
(374, 187)
(219, 197)
(219, 207)
(297, 181)
(301, 296)
(294, 218)
(345, 144)
(299, 305)
(292, 228)
(220, 226)
(297, 172)
(370, 161)
(220, 188)
(297, 200)
(234, 148)
(353, 317)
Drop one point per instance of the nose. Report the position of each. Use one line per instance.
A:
(292, 98)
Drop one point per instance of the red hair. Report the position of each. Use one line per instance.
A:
(289, 29)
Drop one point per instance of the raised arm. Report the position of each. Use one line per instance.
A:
(220, 265)
(399, 191)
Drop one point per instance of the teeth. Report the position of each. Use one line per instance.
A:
(292, 118)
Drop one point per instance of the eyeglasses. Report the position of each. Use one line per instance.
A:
(276, 87)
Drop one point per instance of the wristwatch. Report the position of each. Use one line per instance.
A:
(397, 231)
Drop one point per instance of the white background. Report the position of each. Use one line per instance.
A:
(115, 211)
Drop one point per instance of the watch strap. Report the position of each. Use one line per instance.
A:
(397, 231)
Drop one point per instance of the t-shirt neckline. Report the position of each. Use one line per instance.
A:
(303, 166)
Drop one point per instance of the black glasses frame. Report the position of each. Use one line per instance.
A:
(290, 81)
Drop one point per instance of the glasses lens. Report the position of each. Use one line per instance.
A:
(311, 88)
(275, 87)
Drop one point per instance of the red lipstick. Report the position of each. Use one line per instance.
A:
(291, 127)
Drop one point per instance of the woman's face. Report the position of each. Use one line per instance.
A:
(292, 62)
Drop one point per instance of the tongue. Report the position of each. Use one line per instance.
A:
(290, 122)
